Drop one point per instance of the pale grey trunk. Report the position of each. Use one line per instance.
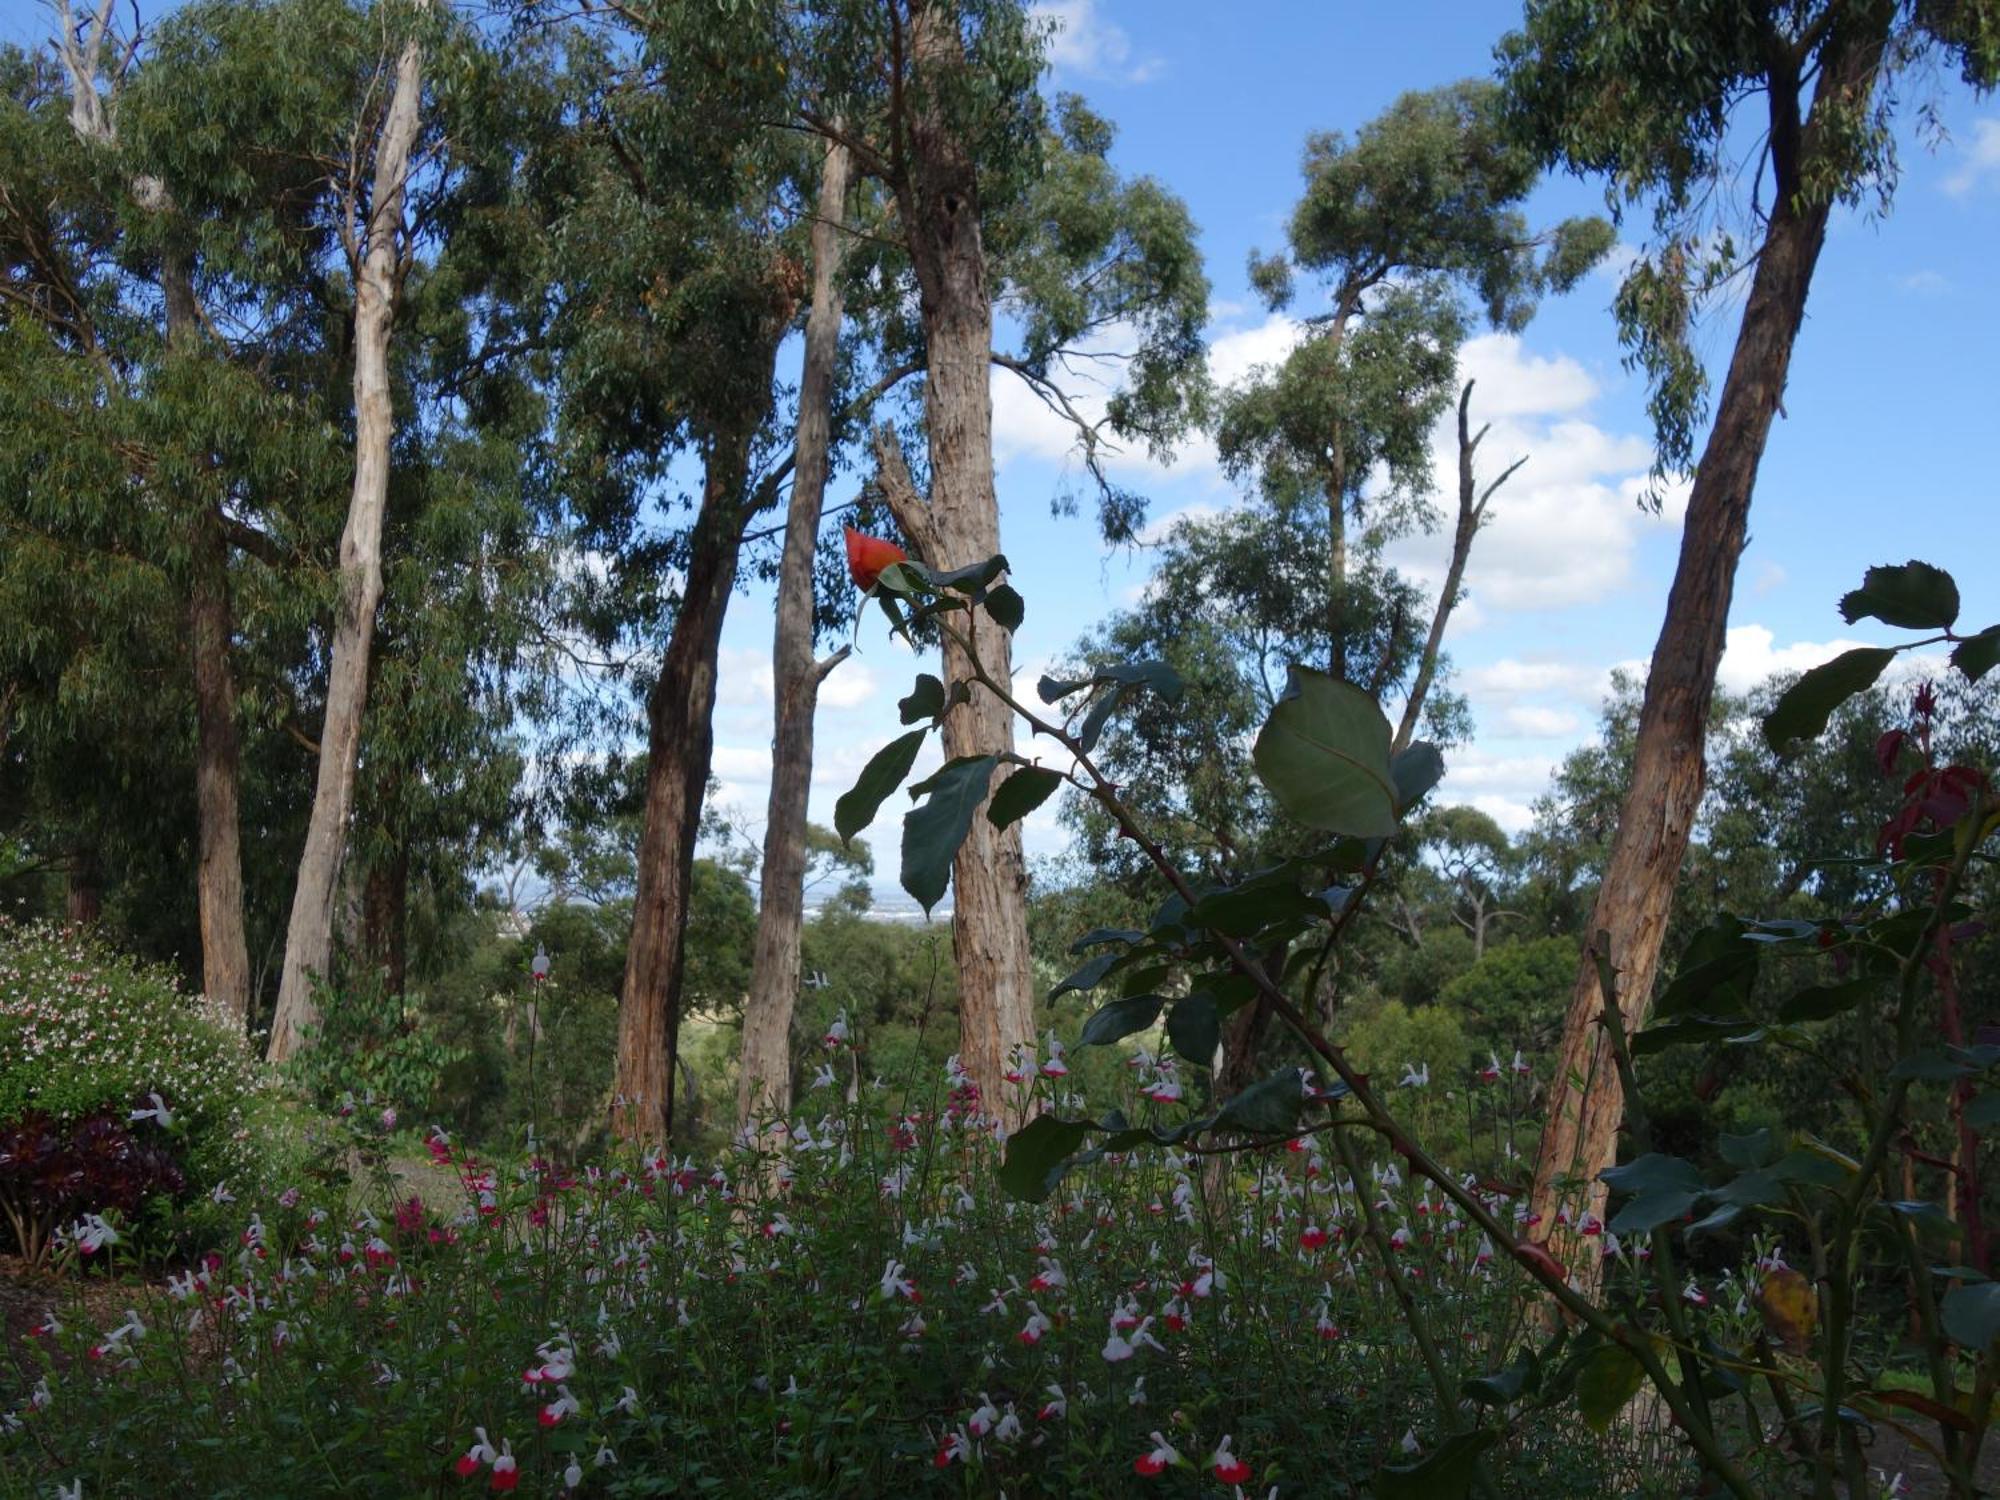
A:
(309, 937)
(939, 199)
(765, 1081)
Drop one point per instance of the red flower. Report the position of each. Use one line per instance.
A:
(867, 556)
(1227, 1466)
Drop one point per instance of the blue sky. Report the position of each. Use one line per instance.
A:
(1881, 455)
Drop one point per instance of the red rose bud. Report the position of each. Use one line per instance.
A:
(867, 556)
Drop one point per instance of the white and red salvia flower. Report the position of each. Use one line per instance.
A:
(1049, 1277)
(1226, 1466)
(478, 1456)
(1162, 1456)
(896, 1284)
(1055, 1067)
(563, 1406)
(1056, 1407)
(1312, 1237)
(92, 1234)
(506, 1472)
(955, 1447)
(1491, 1072)
(1038, 1324)
(982, 1419)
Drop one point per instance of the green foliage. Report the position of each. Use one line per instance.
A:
(1515, 996)
(373, 1047)
(1396, 1035)
(85, 1030)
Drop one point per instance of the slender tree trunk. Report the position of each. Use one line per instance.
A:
(225, 951)
(1580, 1129)
(1471, 516)
(385, 914)
(1336, 562)
(765, 1079)
(309, 937)
(83, 896)
(940, 204)
(680, 742)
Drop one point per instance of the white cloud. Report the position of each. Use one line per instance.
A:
(1503, 787)
(1751, 653)
(1085, 42)
(1924, 283)
(1979, 161)
(1540, 722)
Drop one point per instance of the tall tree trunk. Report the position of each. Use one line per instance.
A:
(309, 936)
(1336, 563)
(680, 742)
(225, 951)
(940, 206)
(1585, 1105)
(765, 1079)
(83, 896)
(385, 913)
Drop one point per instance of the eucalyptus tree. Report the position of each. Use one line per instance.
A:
(1661, 99)
(1399, 226)
(994, 196)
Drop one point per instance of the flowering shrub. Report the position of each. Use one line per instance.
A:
(855, 1310)
(114, 1087)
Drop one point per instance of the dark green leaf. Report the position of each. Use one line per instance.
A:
(1037, 1154)
(933, 832)
(1686, 1032)
(1653, 1173)
(1983, 1113)
(1006, 606)
(1719, 1219)
(1100, 714)
(1243, 910)
(1747, 1151)
(1026, 789)
(1915, 596)
(973, 578)
(1194, 1028)
(1119, 1019)
(1096, 935)
(1268, 1107)
(1445, 1473)
(1977, 655)
(1415, 770)
(1087, 975)
(1801, 713)
(1924, 1214)
(1940, 1064)
(900, 578)
(1324, 753)
(1971, 1314)
(1649, 1211)
(1821, 1002)
(1715, 974)
(1521, 1378)
(884, 772)
(1608, 1377)
(926, 700)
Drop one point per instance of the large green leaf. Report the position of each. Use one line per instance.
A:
(1977, 655)
(1801, 713)
(1822, 1002)
(1715, 973)
(1268, 1107)
(1915, 596)
(1522, 1377)
(1007, 607)
(1020, 794)
(973, 578)
(884, 772)
(1157, 676)
(933, 831)
(1445, 1473)
(1415, 770)
(1119, 1019)
(1194, 1028)
(926, 700)
(1972, 1314)
(1087, 975)
(1608, 1377)
(1037, 1153)
(1649, 1211)
(1324, 753)
(1653, 1173)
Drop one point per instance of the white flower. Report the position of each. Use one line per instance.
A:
(159, 1113)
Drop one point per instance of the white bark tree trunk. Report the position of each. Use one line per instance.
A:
(378, 280)
(765, 1080)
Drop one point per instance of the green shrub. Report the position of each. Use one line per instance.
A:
(90, 1034)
